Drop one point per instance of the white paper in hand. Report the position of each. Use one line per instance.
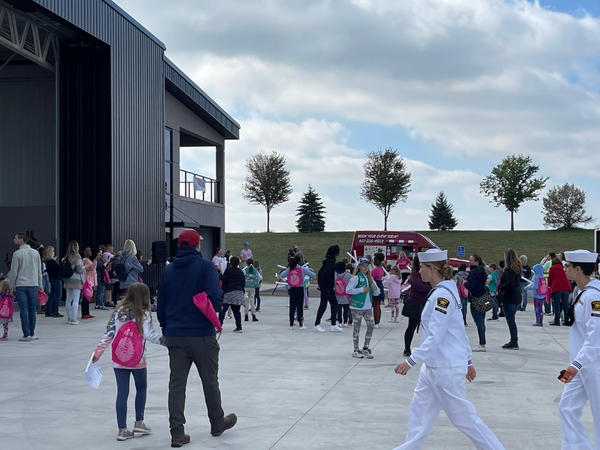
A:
(93, 374)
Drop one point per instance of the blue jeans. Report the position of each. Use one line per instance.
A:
(141, 384)
(27, 299)
(495, 307)
(54, 297)
(524, 294)
(257, 297)
(510, 310)
(560, 300)
(479, 320)
(463, 303)
(100, 295)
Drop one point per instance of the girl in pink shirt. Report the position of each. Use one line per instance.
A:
(393, 284)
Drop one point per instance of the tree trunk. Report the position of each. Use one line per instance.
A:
(512, 221)
(385, 218)
(268, 220)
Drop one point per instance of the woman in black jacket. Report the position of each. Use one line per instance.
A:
(475, 284)
(510, 287)
(326, 280)
(233, 292)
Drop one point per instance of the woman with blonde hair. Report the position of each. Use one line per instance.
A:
(510, 286)
(446, 357)
(131, 266)
(74, 284)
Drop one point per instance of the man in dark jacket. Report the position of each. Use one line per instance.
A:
(189, 335)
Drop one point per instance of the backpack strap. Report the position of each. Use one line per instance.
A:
(451, 294)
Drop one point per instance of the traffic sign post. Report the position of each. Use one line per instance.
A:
(461, 251)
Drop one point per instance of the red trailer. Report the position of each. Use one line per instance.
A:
(391, 243)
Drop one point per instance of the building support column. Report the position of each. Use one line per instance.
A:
(220, 189)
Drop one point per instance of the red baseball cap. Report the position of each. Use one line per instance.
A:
(188, 238)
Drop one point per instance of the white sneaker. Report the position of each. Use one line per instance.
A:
(302, 328)
(357, 354)
(479, 348)
(377, 326)
(69, 321)
(290, 327)
(319, 328)
(335, 328)
(345, 325)
(75, 322)
(34, 337)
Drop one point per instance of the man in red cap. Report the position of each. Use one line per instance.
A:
(189, 335)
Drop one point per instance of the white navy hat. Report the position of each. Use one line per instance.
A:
(581, 256)
(433, 255)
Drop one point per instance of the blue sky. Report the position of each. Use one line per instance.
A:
(454, 85)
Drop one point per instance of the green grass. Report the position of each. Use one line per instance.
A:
(272, 248)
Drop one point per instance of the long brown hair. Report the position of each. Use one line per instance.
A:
(513, 261)
(136, 303)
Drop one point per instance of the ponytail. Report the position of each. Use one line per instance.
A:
(250, 264)
(293, 263)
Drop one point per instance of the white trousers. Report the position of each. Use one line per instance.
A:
(441, 388)
(584, 387)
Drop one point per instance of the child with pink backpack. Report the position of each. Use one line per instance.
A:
(6, 308)
(342, 278)
(540, 292)
(129, 327)
(295, 274)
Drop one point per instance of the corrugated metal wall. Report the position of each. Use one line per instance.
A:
(137, 119)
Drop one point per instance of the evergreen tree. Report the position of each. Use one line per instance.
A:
(311, 213)
(442, 214)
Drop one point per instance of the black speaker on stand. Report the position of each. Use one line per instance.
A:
(159, 252)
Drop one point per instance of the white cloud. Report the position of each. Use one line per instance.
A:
(479, 79)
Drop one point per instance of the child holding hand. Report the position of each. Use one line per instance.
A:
(393, 283)
(6, 308)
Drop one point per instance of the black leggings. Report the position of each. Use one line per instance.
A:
(236, 314)
(410, 331)
(296, 304)
(347, 317)
(327, 296)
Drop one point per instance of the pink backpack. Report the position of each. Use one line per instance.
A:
(542, 288)
(6, 307)
(128, 345)
(295, 277)
(340, 286)
(463, 290)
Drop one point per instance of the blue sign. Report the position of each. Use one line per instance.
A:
(461, 251)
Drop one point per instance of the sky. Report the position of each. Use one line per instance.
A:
(454, 85)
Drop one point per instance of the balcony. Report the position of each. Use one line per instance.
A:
(198, 187)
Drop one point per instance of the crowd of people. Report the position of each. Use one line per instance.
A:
(425, 289)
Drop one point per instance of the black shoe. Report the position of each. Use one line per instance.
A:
(246, 318)
(57, 315)
(501, 315)
(48, 315)
(510, 346)
(180, 441)
(257, 309)
(554, 324)
(238, 330)
(254, 319)
(493, 318)
(228, 422)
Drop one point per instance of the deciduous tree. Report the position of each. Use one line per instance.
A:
(268, 181)
(311, 213)
(564, 207)
(387, 181)
(512, 182)
(442, 214)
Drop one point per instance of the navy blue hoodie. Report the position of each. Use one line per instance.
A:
(187, 276)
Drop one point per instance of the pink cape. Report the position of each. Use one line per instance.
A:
(205, 306)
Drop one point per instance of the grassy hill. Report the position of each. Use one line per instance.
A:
(272, 248)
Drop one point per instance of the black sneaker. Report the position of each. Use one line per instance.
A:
(57, 315)
(246, 318)
(180, 441)
(254, 319)
(238, 330)
(501, 315)
(510, 346)
(48, 315)
(228, 422)
(493, 318)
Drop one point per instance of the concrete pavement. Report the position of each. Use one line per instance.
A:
(290, 389)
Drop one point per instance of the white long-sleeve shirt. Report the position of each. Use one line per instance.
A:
(444, 342)
(351, 289)
(584, 334)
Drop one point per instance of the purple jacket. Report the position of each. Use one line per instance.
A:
(418, 289)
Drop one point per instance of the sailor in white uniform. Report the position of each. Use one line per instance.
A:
(582, 377)
(446, 356)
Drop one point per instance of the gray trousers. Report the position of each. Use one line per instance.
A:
(204, 353)
(357, 317)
